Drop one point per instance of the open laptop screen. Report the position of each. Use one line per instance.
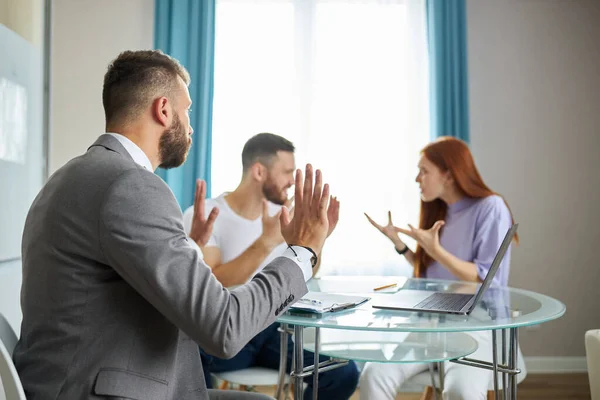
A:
(495, 264)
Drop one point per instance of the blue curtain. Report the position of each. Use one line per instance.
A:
(449, 89)
(185, 29)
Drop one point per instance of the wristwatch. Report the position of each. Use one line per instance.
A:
(313, 259)
(401, 252)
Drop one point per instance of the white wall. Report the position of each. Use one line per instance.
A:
(86, 36)
(534, 80)
(24, 17)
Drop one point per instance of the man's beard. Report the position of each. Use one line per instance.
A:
(273, 193)
(174, 145)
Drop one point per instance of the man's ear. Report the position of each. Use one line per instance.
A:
(259, 172)
(161, 110)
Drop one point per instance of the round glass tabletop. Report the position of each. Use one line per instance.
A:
(499, 308)
(391, 347)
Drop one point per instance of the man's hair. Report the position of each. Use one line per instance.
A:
(263, 148)
(134, 79)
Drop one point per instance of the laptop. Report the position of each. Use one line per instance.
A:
(446, 303)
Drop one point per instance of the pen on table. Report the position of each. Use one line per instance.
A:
(385, 286)
(340, 307)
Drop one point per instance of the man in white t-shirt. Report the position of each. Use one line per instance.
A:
(245, 237)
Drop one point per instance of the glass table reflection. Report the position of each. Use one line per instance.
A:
(390, 347)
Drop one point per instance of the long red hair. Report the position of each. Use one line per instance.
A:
(449, 154)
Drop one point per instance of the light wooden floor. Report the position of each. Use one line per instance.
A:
(534, 387)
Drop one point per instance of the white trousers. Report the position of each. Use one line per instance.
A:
(380, 381)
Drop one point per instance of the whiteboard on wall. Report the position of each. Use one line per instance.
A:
(22, 158)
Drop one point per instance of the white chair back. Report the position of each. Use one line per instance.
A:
(7, 335)
(8, 373)
(592, 352)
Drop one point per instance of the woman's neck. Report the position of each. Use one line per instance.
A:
(452, 195)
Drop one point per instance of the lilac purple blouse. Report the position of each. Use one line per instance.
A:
(473, 232)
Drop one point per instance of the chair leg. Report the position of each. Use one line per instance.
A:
(428, 393)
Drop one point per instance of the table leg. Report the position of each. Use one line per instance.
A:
(283, 350)
(495, 362)
(432, 376)
(299, 362)
(442, 374)
(512, 361)
(504, 374)
(316, 363)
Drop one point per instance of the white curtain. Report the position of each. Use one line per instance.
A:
(347, 82)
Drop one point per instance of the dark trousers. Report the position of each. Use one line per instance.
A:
(264, 350)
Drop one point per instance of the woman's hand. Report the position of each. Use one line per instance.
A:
(428, 239)
(389, 230)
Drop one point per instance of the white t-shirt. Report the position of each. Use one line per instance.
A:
(233, 234)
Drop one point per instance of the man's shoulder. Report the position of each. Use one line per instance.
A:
(213, 202)
(98, 167)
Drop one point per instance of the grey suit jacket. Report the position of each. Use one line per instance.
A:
(116, 300)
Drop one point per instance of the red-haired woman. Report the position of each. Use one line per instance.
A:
(462, 225)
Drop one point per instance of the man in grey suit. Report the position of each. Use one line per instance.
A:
(115, 295)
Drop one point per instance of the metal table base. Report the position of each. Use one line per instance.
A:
(299, 372)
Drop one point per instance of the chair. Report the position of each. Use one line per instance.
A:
(8, 373)
(592, 352)
(254, 376)
(247, 378)
(7, 335)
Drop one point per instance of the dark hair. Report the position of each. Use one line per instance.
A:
(134, 79)
(263, 148)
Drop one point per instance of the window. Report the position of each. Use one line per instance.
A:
(347, 82)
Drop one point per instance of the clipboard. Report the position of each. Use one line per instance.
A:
(319, 302)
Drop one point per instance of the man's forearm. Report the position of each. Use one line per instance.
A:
(240, 269)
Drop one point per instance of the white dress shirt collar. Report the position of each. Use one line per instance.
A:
(134, 151)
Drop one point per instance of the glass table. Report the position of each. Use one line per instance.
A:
(390, 347)
(502, 311)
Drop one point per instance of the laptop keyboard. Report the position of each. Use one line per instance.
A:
(445, 301)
